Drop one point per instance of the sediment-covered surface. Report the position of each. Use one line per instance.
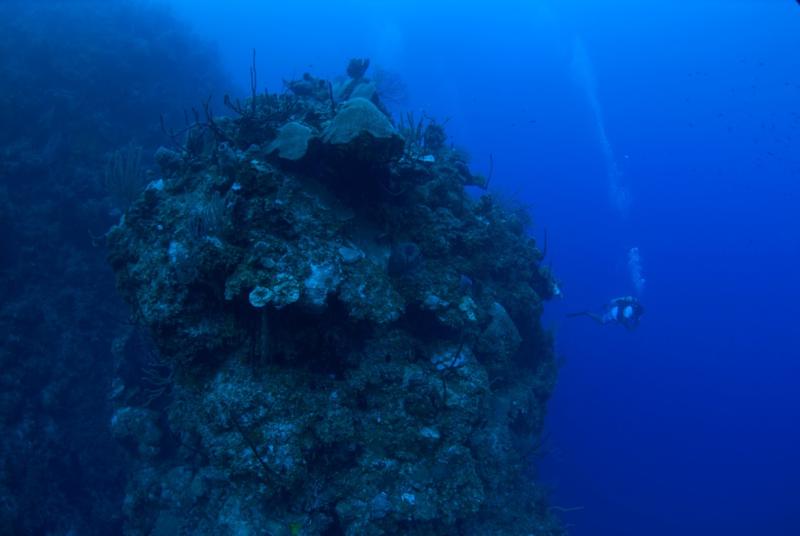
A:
(345, 341)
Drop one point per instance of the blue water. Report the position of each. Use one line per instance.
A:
(689, 425)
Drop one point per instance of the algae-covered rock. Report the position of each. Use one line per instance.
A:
(501, 336)
(137, 426)
(340, 345)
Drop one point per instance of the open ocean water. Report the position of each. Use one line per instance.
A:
(688, 425)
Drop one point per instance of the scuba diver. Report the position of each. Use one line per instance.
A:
(625, 310)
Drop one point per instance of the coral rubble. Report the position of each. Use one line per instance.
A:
(349, 342)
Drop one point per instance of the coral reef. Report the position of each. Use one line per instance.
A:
(350, 343)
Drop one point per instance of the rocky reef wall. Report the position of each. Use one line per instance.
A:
(346, 341)
(78, 81)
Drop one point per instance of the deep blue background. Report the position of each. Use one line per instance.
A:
(690, 424)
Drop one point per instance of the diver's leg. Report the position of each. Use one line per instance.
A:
(600, 319)
(594, 316)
